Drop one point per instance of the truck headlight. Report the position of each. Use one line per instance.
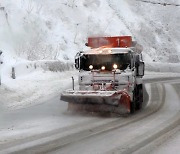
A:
(90, 67)
(103, 67)
(115, 66)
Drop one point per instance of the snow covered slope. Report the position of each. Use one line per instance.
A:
(46, 29)
(155, 25)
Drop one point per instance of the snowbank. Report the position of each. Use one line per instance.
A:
(163, 67)
(34, 88)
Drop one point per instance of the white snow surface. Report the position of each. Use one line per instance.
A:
(58, 29)
(34, 88)
(46, 30)
(35, 85)
(169, 146)
(32, 30)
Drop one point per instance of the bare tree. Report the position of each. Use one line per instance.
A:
(30, 7)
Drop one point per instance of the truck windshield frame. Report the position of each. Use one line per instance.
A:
(122, 60)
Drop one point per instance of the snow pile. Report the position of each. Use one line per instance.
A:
(34, 88)
(162, 67)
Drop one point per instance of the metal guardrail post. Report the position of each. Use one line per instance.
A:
(13, 73)
(72, 82)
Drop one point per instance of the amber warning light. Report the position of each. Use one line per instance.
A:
(117, 41)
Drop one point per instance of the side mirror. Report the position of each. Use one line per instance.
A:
(77, 60)
(77, 63)
(140, 69)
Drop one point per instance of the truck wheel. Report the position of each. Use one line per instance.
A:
(133, 103)
(132, 107)
(139, 96)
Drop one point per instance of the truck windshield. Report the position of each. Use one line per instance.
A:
(108, 60)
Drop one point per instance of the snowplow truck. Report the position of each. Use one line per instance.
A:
(110, 77)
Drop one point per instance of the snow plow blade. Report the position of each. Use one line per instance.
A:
(97, 101)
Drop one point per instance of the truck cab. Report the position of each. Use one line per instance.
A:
(109, 76)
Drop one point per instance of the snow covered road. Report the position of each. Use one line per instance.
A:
(50, 125)
(137, 134)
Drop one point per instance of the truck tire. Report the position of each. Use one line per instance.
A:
(139, 96)
(132, 107)
(133, 103)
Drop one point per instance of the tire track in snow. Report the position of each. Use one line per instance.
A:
(158, 3)
(52, 143)
(161, 129)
